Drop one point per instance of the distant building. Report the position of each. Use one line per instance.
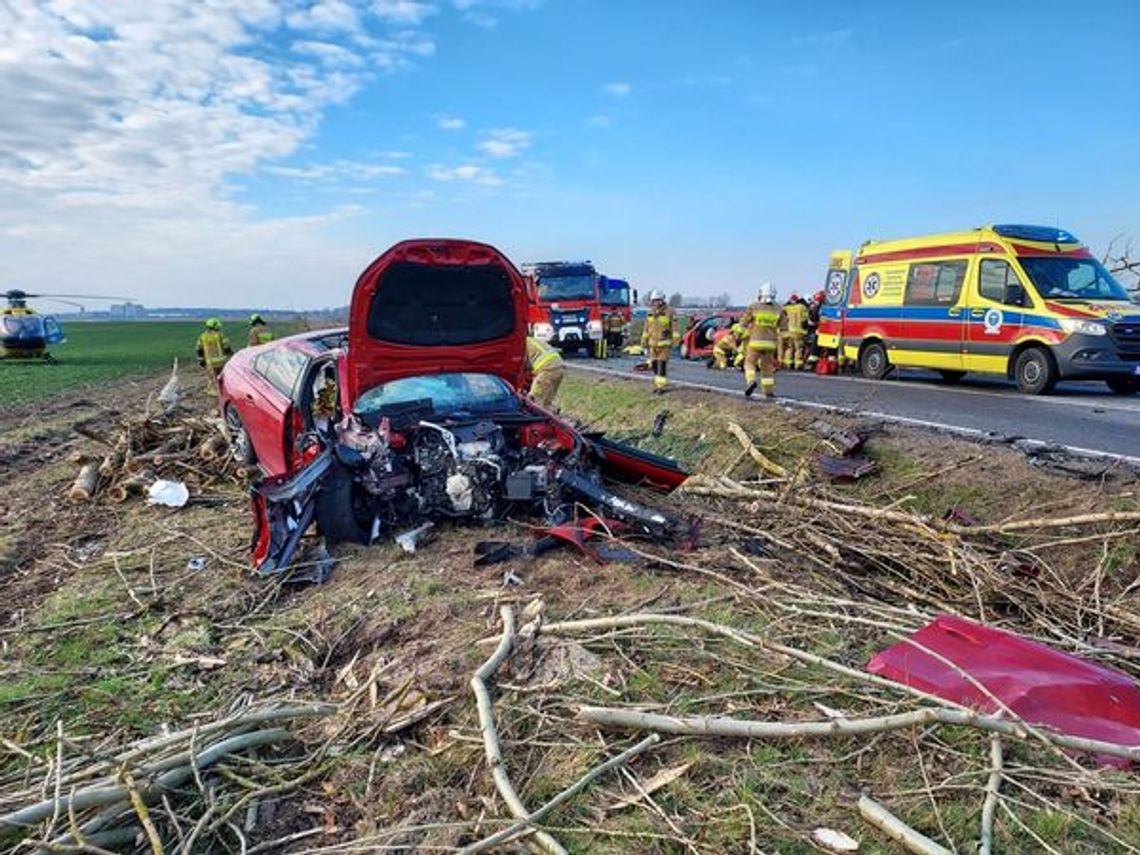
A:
(126, 311)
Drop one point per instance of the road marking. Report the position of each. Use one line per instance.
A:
(796, 403)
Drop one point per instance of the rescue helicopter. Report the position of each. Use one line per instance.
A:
(25, 333)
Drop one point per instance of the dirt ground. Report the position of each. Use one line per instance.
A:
(108, 635)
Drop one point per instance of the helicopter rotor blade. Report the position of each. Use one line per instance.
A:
(74, 296)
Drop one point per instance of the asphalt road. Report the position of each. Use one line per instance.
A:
(1081, 416)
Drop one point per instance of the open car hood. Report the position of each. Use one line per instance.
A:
(432, 306)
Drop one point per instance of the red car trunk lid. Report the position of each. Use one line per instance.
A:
(436, 306)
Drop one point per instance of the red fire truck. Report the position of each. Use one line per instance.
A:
(570, 303)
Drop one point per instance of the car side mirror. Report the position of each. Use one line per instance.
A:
(1015, 294)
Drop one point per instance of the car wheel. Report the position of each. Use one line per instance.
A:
(342, 516)
(1034, 371)
(241, 446)
(949, 376)
(1123, 385)
(873, 361)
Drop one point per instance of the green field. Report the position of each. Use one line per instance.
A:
(96, 352)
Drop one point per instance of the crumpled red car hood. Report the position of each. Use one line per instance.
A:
(1041, 685)
(407, 334)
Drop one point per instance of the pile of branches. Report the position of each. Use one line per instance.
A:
(80, 797)
(1000, 571)
(171, 444)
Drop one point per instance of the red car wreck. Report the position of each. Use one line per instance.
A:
(413, 414)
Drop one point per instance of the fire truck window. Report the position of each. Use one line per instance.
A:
(934, 283)
(993, 277)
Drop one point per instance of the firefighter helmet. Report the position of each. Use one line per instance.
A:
(656, 295)
(818, 297)
(794, 297)
(767, 293)
(213, 324)
(255, 318)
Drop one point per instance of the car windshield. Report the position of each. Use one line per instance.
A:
(615, 296)
(448, 393)
(1058, 278)
(578, 287)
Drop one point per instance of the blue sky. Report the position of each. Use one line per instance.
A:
(249, 152)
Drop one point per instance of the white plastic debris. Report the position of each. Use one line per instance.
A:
(410, 539)
(170, 494)
(836, 841)
(198, 562)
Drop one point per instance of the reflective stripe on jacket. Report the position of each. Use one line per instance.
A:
(541, 355)
(213, 348)
(659, 328)
(762, 321)
(260, 334)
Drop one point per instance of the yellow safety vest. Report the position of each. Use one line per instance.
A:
(541, 355)
(796, 315)
(764, 319)
(659, 329)
(262, 335)
(213, 346)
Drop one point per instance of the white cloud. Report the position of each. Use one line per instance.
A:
(450, 123)
(505, 142)
(599, 120)
(471, 172)
(325, 16)
(329, 53)
(617, 89)
(411, 12)
(338, 169)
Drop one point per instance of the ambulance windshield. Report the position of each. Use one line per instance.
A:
(1059, 278)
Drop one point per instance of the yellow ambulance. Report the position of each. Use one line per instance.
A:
(1029, 302)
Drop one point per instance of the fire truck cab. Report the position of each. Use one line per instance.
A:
(565, 305)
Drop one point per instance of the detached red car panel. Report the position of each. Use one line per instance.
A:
(1041, 685)
(412, 414)
(703, 333)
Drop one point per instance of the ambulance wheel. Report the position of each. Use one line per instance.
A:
(1034, 371)
(950, 376)
(1123, 385)
(341, 514)
(241, 446)
(873, 361)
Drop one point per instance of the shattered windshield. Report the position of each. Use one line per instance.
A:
(448, 393)
(1072, 279)
(566, 288)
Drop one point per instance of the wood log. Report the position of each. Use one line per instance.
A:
(214, 448)
(135, 485)
(85, 484)
(763, 461)
(111, 464)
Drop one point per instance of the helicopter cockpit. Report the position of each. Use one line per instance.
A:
(30, 329)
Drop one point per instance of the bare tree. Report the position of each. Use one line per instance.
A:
(1121, 261)
(675, 300)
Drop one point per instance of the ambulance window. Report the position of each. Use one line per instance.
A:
(994, 277)
(935, 283)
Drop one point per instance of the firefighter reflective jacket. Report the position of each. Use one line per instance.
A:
(213, 349)
(541, 355)
(762, 321)
(260, 334)
(659, 328)
(794, 319)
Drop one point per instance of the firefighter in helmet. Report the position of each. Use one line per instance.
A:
(546, 366)
(259, 331)
(811, 343)
(727, 346)
(213, 350)
(657, 338)
(761, 320)
(793, 331)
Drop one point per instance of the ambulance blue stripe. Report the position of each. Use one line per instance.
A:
(935, 313)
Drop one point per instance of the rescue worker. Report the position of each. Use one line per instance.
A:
(259, 331)
(546, 366)
(325, 400)
(614, 332)
(213, 351)
(728, 345)
(657, 337)
(793, 331)
(761, 320)
(811, 343)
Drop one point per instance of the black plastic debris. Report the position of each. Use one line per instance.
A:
(848, 441)
(847, 468)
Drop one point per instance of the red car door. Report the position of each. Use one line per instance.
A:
(266, 403)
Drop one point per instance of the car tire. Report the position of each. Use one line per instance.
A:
(339, 517)
(241, 445)
(951, 376)
(1034, 371)
(873, 361)
(1123, 385)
